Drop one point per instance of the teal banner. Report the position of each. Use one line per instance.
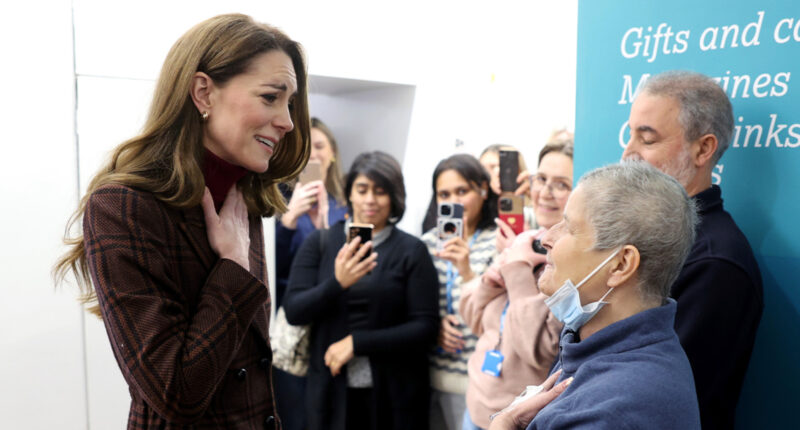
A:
(753, 50)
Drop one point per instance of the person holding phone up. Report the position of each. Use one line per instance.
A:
(316, 201)
(372, 308)
(504, 300)
(518, 335)
(458, 179)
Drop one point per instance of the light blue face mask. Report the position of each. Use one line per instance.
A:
(565, 303)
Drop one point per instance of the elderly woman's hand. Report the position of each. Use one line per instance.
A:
(522, 249)
(229, 231)
(349, 266)
(339, 354)
(519, 416)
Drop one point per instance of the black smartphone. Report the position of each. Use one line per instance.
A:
(538, 248)
(364, 231)
(509, 169)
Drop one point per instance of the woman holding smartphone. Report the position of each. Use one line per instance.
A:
(316, 201)
(458, 179)
(372, 308)
(505, 308)
(312, 205)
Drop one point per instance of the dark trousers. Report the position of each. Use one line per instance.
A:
(359, 407)
(290, 399)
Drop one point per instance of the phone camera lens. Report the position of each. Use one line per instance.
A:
(505, 204)
(450, 228)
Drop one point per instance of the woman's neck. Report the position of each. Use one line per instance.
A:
(220, 176)
(470, 229)
(378, 228)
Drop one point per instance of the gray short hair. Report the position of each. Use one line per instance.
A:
(633, 203)
(705, 108)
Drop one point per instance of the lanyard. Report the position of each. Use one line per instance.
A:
(452, 274)
(502, 324)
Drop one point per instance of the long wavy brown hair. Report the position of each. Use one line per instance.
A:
(166, 158)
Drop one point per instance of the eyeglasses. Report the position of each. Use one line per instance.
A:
(557, 187)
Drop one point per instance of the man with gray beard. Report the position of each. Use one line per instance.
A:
(681, 123)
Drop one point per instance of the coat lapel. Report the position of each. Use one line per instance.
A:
(193, 226)
(258, 266)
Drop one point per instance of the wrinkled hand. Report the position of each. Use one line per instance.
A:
(519, 416)
(450, 336)
(348, 267)
(456, 250)
(339, 354)
(303, 199)
(229, 231)
(522, 249)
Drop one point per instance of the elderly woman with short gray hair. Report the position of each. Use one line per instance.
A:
(626, 231)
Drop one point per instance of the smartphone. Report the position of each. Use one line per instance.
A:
(312, 172)
(509, 209)
(364, 231)
(538, 248)
(450, 221)
(509, 170)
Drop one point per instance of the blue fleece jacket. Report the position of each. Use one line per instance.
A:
(632, 374)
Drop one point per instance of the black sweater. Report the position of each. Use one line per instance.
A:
(392, 314)
(720, 301)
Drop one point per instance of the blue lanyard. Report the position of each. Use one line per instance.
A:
(503, 318)
(452, 274)
(502, 324)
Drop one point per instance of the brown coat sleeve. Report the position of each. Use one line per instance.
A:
(173, 341)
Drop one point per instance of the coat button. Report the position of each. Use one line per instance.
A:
(241, 374)
(264, 363)
(269, 423)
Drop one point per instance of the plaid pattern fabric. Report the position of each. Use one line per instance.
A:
(189, 330)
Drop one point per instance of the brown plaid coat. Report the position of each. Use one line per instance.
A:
(189, 330)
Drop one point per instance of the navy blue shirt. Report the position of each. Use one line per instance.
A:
(630, 374)
(720, 301)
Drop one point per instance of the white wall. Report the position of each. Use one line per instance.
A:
(41, 352)
(482, 73)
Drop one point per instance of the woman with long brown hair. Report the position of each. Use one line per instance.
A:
(172, 237)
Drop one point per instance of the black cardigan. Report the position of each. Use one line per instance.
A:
(392, 314)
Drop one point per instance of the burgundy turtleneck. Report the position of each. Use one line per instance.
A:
(220, 177)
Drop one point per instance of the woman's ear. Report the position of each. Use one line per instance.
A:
(626, 265)
(202, 86)
(484, 190)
